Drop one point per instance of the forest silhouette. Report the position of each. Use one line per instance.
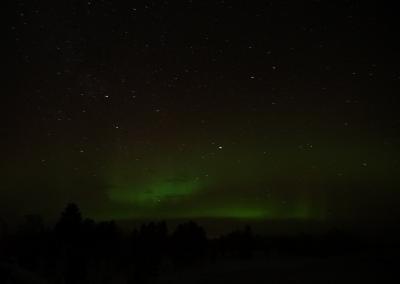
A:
(81, 250)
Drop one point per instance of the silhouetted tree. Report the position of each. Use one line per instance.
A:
(69, 226)
(239, 243)
(188, 243)
(69, 232)
(106, 237)
(149, 247)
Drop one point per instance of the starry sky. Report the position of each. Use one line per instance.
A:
(266, 110)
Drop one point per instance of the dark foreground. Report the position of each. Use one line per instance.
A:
(290, 270)
(355, 269)
(78, 250)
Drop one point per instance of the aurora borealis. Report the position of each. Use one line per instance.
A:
(296, 181)
(203, 109)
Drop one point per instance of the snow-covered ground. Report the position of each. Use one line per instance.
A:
(287, 270)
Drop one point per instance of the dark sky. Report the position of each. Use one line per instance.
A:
(266, 110)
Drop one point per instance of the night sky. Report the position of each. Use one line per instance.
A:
(265, 110)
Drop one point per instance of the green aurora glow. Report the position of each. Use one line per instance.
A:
(301, 183)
